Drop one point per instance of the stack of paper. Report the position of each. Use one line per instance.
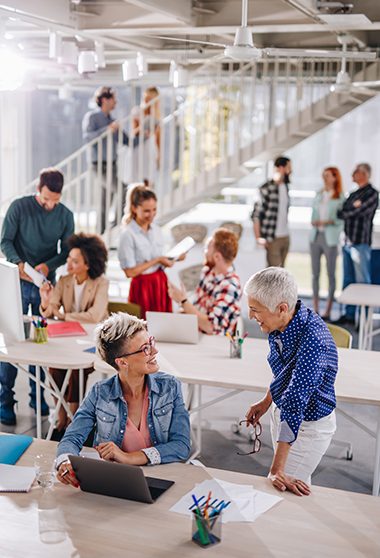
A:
(16, 479)
(245, 503)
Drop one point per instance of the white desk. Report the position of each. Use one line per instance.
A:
(208, 364)
(367, 297)
(329, 523)
(59, 352)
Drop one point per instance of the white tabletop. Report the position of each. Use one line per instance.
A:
(58, 352)
(360, 294)
(329, 523)
(208, 363)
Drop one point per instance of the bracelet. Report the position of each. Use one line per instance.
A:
(183, 301)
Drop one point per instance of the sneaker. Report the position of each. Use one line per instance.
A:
(7, 414)
(44, 407)
(344, 320)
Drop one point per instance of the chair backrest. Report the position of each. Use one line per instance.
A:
(190, 276)
(341, 336)
(236, 228)
(196, 230)
(127, 307)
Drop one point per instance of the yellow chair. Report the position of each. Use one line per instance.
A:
(341, 336)
(127, 307)
(236, 228)
(343, 339)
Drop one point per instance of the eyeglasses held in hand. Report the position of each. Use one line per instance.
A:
(256, 441)
(147, 349)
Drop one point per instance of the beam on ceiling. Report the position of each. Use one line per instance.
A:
(180, 10)
(222, 29)
(53, 11)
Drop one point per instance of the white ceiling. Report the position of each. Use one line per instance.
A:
(127, 26)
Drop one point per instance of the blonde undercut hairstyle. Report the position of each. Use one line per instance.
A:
(271, 287)
(113, 334)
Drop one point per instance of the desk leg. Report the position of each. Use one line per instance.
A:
(59, 394)
(199, 418)
(38, 402)
(376, 473)
(370, 328)
(81, 385)
(362, 329)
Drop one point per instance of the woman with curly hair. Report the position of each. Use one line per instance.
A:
(80, 296)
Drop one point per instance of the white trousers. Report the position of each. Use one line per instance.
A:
(306, 452)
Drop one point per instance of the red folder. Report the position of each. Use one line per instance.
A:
(65, 329)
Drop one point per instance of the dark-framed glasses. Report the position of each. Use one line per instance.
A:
(147, 349)
(257, 431)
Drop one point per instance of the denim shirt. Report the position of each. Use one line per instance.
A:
(105, 408)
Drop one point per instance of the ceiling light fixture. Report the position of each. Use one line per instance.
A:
(87, 62)
(134, 68)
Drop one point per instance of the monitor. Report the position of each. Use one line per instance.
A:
(11, 318)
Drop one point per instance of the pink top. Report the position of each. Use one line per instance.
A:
(135, 438)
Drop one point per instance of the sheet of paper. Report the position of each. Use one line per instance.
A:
(90, 454)
(181, 248)
(37, 277)
(246, 504)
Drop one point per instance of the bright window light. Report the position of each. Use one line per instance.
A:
(12, 69)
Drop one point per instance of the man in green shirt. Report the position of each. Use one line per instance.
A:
(35, 230)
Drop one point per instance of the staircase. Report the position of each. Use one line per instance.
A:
(233, 115)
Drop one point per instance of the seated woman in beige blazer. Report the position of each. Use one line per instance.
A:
(80, 296)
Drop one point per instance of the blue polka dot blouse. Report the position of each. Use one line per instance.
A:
(304, 362)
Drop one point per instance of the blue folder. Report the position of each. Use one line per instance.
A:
(12, 446)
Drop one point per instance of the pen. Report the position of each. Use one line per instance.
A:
(66, 471)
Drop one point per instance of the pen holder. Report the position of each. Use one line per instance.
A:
(206, 531)
(235, 349)
(40, 335)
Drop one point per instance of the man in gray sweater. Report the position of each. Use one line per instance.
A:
(35, 230)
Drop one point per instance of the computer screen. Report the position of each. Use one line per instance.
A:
(11, 319)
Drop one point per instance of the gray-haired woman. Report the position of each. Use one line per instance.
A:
(304, 361)
(139, 414)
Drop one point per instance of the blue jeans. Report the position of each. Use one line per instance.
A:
(30, 296)
(356, 268)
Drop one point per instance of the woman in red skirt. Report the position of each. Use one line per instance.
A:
(140, 252)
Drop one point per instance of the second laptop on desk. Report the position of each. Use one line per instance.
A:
(117, 480)
(173, 328)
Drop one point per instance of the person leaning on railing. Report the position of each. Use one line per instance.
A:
(138, 414)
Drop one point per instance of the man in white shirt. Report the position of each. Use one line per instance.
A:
(270, 214)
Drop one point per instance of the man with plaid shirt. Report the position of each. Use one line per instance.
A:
(358, 212)
(270, 214)
(217, 297)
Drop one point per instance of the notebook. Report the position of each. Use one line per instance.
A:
(65, 329)
(12, 446)
(16, 479)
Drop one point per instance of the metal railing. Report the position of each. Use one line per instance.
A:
(198, 139)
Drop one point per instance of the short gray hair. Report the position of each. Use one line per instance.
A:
(365, 167)
(113, 334)
(271, 287)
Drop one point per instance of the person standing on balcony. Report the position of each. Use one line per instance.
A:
(325, 233)
(358, 212)
(95, 123)
(146, 137)
(217, 297)
(35, 230)
(140, 252)
(270, 214)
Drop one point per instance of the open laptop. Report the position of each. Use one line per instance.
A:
(173, 328)
(117, 479)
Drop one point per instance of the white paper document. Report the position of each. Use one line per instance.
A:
(240, 502)
(181, 248)
(37, 277)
